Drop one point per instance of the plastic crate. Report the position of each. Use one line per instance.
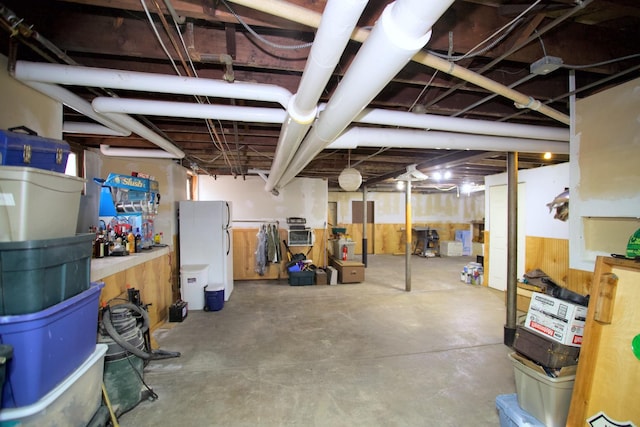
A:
(37, 274)
(544, 397)
(36, 204)
(301, 278)
(512, 415)
(48, 346)
(72, 403)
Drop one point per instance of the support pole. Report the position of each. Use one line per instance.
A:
(512, 247)
(407, 251)
(364, 226)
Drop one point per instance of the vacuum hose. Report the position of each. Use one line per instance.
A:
(119, 311)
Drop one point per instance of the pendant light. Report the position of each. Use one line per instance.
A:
(350, 179)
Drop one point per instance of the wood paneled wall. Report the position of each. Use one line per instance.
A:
(552, 257)
(245, 243)
(152, 278)
(381, 239)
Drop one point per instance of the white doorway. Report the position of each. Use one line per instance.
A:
(498, 241)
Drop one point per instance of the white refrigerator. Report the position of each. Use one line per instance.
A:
(205, 238)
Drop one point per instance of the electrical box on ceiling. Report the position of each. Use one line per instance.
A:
(546, 65)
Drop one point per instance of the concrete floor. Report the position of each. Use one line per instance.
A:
(366, 354)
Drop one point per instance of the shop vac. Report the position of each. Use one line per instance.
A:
(125, 330)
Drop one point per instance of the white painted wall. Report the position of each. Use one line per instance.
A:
(302, 197)
(542, 186)
(22, 105)
(425, 208)
(605, 174)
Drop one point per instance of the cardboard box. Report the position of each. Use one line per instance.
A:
(450, 248)
(560, 320)
(349, 271)
(321, 277)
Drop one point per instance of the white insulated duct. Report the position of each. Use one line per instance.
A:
(402, 30)
(455, 124)
(91, 129)
(409, 138)
(135, 152)
(312, 19)
(334, 32)
(185, 109)
(146, 133)
(148, 82)
(74, 102)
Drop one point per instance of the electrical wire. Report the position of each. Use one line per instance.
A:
(259, 37)
(155, 31)
(190, 69)
(597, 64)
(510, 26)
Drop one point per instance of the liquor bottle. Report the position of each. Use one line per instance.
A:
(98, 247)
(138, 240)
(131, 243)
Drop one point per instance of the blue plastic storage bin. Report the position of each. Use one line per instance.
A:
(48, 346)
(512, 415)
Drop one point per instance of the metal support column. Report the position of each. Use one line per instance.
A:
(407, 251)
(512, 247)
(364, 226)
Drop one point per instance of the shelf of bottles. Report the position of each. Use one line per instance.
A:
(128, 206)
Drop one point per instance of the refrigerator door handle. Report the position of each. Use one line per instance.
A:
(228, 215)
(228, 242)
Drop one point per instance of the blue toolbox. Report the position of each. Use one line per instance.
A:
(20, 146)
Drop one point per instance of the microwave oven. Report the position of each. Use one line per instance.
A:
(300, 237)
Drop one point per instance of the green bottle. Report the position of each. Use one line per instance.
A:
(633, 247)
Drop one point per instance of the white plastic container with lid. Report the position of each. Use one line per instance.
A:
(193, 279)
(37, 204)
(72, 403)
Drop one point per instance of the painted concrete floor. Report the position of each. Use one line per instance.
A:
(366, 354)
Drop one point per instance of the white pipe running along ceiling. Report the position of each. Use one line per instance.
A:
(402, 30)
(334, 32)
(455, 125)
(411, 138)
(73, 101)
(105, 105)
(148, 82)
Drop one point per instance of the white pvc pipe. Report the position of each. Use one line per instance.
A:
(146, 133)
(134, 152)
(148, 82)
(312, 19)
(455, 124)
(402, 30)
(338, 22)
(76, 103)
(409, 138)
(91, 129)
(186, 109)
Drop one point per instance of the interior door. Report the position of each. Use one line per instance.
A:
(498, 239)
(357, 214)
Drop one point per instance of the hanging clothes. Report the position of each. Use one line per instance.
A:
(274, 254)
(261, 251)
